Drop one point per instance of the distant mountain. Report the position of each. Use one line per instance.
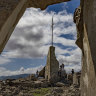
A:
(14, 76)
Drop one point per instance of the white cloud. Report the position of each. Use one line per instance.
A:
(5, 72)
(32, 38)
(76, 68)
(33, 33)
(73, 61)
(4, 60)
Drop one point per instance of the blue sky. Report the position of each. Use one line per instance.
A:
(69, 6)
(28, 46)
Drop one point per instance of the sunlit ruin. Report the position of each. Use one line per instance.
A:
(54, 77)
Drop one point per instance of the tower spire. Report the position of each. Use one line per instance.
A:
(52, 30)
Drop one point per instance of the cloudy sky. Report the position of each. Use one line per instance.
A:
(28, 46)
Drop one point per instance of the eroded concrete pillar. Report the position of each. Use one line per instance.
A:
(86, 28)
(89, 44)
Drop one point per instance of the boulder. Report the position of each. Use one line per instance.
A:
(60, 84)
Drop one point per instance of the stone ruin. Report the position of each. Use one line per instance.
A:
(51, 71)
(42, 73)
(85, 19)
(76, 78)
(52, 66)
(61, 72)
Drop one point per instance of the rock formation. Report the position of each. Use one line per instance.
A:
(52, 66)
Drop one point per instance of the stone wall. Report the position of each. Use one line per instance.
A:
(52, 66)
(89, 41)
(75, 79)
(87, 32)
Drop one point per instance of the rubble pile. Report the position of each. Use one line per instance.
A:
(41, 87)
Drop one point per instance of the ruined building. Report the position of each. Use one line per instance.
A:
(85, 19)
(52, 66)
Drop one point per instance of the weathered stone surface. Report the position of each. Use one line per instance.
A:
(43, 3)
(59, 84)
(52, 66)
(75, 79)
(10, 13)
(78, 19)
(87, 44)
(42, 73)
